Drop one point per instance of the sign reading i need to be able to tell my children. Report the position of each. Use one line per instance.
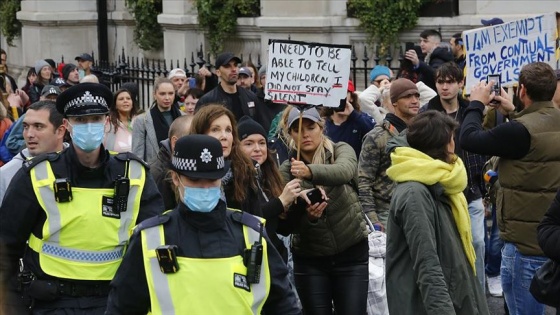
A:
(307, 73)
(504, 49)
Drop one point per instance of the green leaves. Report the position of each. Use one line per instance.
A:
(218, 18)
(383, 20)
(10, 25)
(148, 33)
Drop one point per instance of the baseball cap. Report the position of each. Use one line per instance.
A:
(310, 113)
(84, 56)
(224, 58)
(177, 72)
(245, 71)
(493, 21)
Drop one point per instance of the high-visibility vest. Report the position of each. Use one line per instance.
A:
(210, 286)
(80, 240)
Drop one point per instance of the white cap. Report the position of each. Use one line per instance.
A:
(177, 72)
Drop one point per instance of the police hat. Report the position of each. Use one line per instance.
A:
(50, 90)
(85, 99)
(199, 156)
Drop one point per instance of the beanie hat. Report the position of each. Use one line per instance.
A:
(377, 71)
(401, 88)
(262, 70)
(247, 126)
(40, 64)
(67, 69)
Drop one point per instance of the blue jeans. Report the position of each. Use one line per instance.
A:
(476, 212)
(494, 246)
(517, 271)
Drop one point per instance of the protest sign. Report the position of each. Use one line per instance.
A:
(504, 49)
(307, 73)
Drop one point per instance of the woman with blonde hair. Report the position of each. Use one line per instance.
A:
(152, 127)
(329, 245)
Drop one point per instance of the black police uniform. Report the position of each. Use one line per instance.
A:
(216, 234)
(21, 215)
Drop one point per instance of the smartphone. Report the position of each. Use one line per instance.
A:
(315, 196)
(408, 46)
(192, 83)
(497, 88)
(497, 78)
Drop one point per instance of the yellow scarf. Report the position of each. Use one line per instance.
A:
(409, 164)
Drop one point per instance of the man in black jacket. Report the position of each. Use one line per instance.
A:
(435, 56)
(240, 101)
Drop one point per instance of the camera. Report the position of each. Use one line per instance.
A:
(497, 88)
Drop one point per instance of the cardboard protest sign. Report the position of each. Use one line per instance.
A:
(307, 73)
(504, 49)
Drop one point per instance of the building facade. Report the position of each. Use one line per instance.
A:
(60, 28)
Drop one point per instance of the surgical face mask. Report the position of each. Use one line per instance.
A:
(88, 137)
(201, 199)
(82, 73)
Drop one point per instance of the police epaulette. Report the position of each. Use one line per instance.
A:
(51, 157)
(249, 220)
(151, 222)
(125, 156)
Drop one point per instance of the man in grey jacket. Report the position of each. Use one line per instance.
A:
(43, 132)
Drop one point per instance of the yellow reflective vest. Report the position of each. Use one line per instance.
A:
(204, 285)
(83, 239)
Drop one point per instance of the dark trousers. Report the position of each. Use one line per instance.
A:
(340, 280)
(72, 306)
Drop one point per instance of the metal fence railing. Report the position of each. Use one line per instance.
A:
(144, 71)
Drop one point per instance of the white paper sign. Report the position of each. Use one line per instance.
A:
(504, 49)
(307, 73)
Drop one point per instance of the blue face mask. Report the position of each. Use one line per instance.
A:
(88, 137)
(201, 199)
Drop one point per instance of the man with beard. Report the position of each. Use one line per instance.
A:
(239, 101)
(375, 188)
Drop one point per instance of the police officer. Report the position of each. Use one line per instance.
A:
(75, 209)
(201, 258)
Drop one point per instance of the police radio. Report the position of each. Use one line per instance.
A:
(253, 259)
(122, 187)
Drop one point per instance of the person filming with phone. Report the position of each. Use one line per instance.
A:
(329, 245)
(529, 171)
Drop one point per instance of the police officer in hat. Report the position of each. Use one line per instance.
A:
(201, 258)
(68, 215)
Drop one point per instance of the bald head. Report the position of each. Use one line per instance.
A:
(179, 128)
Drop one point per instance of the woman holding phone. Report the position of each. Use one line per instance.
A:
(329, 246)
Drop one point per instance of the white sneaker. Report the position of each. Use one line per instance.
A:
(495, 286)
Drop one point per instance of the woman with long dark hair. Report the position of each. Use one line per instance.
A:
(274, 197)
(118, 132)
(430, 256)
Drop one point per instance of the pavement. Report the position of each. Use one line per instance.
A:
(496, 306)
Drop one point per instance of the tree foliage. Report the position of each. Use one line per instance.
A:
(148, 33)
(10, 25)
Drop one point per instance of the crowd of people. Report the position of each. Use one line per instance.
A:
(214, 199)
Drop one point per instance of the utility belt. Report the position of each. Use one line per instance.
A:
(50, 290)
